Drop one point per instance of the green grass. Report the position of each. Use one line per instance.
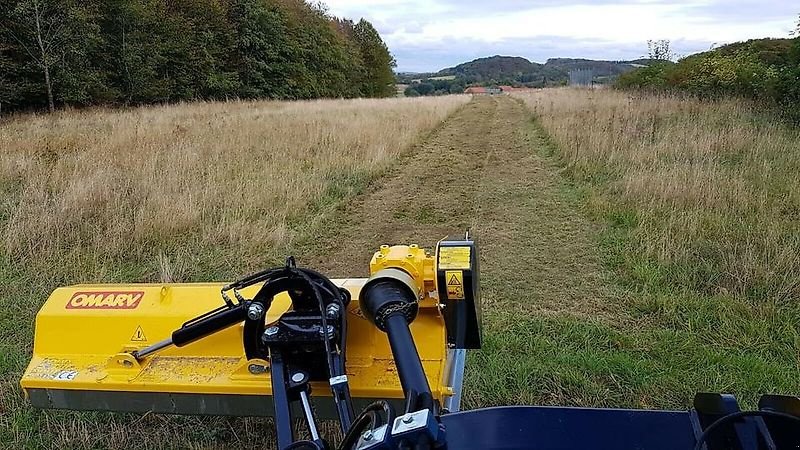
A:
(572, 361)
(670, 338)
(575, 311)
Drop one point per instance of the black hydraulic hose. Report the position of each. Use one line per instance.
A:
(343, 405)
(341, 392)
(253, 279)
(409, 367)
(359, 425)
(321, 303)
(367, 418)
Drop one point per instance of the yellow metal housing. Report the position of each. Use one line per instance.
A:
(84, 336)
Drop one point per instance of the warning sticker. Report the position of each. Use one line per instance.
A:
(455, 284)
(454, 257)
(138, 335)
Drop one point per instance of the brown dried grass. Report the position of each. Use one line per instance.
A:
(113, 184)
(709, 190)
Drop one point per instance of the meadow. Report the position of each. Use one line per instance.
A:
(185, 192)
(698, 203)
(636, 248)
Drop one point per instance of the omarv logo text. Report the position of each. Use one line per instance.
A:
(105, 300)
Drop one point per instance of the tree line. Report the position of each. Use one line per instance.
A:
(765, 70)
(131, 52)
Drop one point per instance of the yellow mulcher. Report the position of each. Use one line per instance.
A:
(390, 347)
(263, 343)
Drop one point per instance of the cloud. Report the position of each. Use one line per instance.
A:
(429, 35)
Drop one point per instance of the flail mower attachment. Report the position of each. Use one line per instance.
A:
(391, 347)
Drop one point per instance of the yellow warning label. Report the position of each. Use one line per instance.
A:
(138, 335)
(455, 284)
(454, 257)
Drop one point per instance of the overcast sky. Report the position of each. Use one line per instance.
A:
(431, 35)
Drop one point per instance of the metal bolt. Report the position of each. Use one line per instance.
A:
(127, 363)
(329, 333)
(271, 331)
(255, 311)
(257, 369)
(332, 311)
(298, 377)
(408, 419)
(368, 435)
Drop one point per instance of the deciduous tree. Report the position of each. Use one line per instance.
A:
(51, 33)
(378, 62)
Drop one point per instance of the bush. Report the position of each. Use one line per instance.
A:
(766, 70)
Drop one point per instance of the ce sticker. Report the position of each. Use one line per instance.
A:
(65, 375)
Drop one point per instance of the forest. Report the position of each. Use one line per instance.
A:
(56, 53)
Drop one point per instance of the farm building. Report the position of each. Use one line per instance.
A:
(475, 90)
(480, 90)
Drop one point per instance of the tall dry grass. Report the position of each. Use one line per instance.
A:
(183, 192)
(710, 192)
(82, 188)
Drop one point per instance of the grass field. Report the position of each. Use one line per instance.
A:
(635, 250)
(700, 205)
(186, 192)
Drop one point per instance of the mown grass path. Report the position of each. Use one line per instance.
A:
(539, 259)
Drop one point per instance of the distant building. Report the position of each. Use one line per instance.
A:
(476, 90)
(581, 77)
(480, 90)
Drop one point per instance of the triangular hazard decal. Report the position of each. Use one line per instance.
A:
(454, 281)
(138, 335)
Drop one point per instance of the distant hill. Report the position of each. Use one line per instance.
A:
(517, 70)
(510, 70)
(600, 68)
(504, 70)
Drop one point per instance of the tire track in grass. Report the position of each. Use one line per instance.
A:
(541, 271)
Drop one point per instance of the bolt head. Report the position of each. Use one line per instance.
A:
(332, 311)
(271, 331)
(255, 311)
(329, 332)
(298, 377)
(408, 419)
(368, 435)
